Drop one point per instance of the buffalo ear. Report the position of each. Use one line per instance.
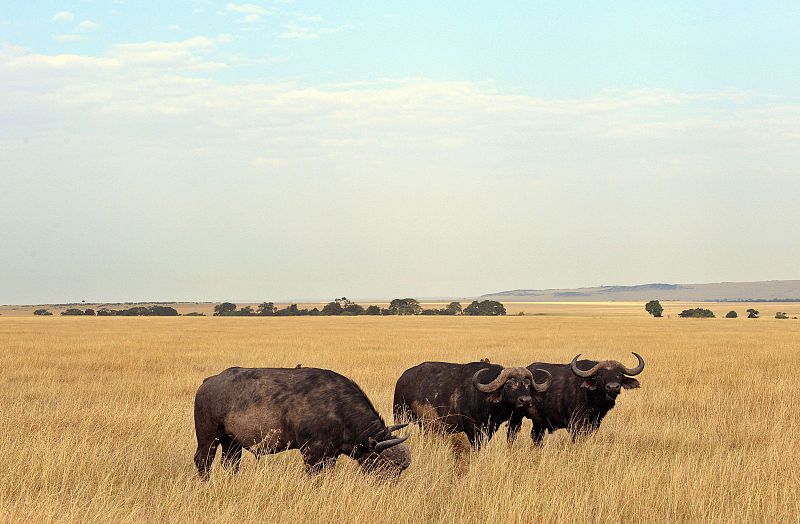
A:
(630, 383)
(494, 397)
(589, 383)
(372, 443)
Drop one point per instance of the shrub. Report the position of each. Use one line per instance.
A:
(781, 315)
(654, 308)
(42, 313)
(752, 313)
(731, 314)
(372, 310)
(72, 312)
(489, 308)
(89, 311)
(696, 313)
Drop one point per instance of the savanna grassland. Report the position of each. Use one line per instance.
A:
(98, 423)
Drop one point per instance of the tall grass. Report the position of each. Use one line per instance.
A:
(98, 422)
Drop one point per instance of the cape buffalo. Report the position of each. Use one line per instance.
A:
(581, 394)
(268, 410)
(472, 398)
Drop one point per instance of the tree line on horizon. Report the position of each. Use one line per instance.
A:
(345, 307)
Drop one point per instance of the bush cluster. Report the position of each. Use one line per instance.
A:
(345, 307)
(137, 311)
(696, 313)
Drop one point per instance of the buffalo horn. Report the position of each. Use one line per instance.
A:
(585, 374)
(390, 429)
(386, 444)
(541, 388)
(497, 383)
(638, 369)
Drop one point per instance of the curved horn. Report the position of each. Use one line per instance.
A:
(638, 369)
(386, 444)
(494, 385)
(580, 372)
(395, 428)
(541, 388)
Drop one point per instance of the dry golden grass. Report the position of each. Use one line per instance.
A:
(98, 421)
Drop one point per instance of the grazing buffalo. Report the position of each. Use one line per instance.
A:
(581, 394)
(472, 398)
(268, 410)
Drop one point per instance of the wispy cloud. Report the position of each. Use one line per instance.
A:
(251, 12)
(88, 25)
(63, 16)
(300, 32)
(69, 38)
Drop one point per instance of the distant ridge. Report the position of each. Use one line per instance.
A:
(763, 291)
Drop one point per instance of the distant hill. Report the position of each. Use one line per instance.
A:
(767, 291)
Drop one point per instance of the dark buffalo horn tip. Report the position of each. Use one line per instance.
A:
(386, 444)
(395, 427)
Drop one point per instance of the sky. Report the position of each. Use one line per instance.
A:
(291, 150)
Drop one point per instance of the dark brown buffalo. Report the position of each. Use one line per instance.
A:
(474, 398)
(581, 394)
(268, 410)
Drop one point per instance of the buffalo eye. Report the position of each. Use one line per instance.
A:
(512, 382)
(526, 382)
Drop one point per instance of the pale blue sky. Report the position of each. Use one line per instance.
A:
(203, 150)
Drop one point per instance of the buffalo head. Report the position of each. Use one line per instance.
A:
(608, 376)
(512, 387)
(387, 456)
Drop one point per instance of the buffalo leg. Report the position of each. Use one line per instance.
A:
(231, 454)
(204, 456)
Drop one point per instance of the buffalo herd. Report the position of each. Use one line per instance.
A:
(324, 414)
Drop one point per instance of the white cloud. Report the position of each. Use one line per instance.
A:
(88, 25)
(63, 16)
(69, 38)
(252, 12)
(298, 32)
(173, 27)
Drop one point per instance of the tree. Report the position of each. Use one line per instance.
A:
(781, 315)
(752, 313)
(163, 311)
(353, 309)
(372, 310)
(731, 314)
(696, 313)
(455, 307)
(225, 307)
(488, 308)
(332, 308)
(246, 311)
(266, 309)
(42, 313)
(654, 308)
(405, 306)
